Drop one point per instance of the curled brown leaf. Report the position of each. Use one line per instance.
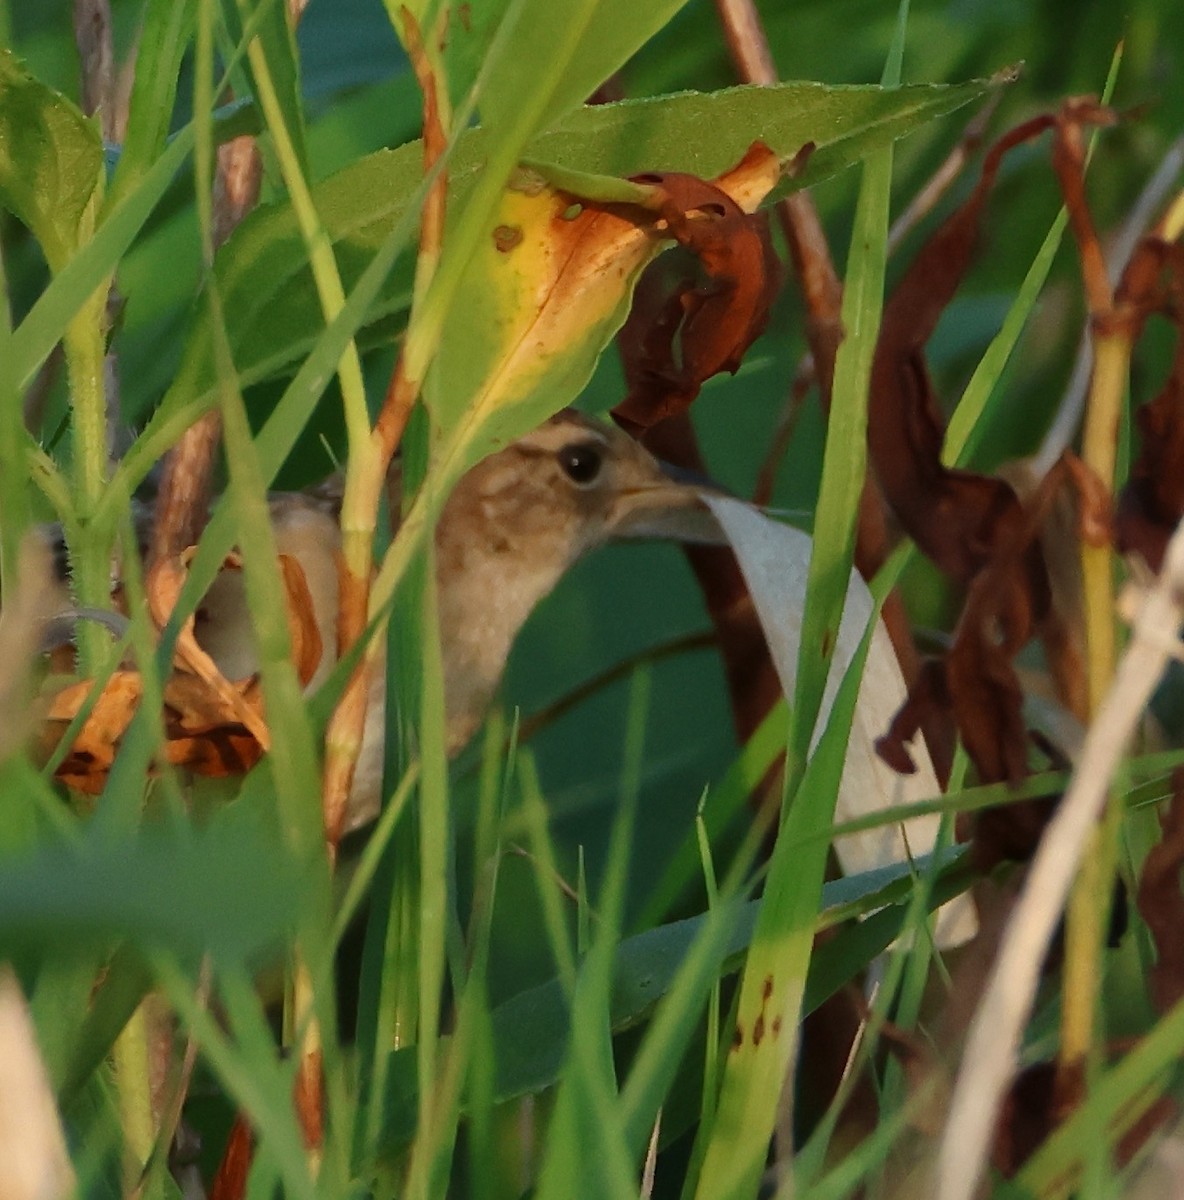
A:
(1161, 902)
(213, 725)
(971, 525)
(677, 337)
(1152, 502)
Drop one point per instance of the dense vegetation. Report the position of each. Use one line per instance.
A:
(568, 962)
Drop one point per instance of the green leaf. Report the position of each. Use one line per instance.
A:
(168, 27)
(735, 1144)
(51, 160)
(645, 967)
(231, 890)
(266, 24)
(263, 275)
(704, 133)
(35, 337)
(572, 49)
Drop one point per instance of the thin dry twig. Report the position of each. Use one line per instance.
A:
(674, 648)
(821, 288)
(187, 479)
(96, 53)
(990, 1058)
(822, 292)
(940, 182)
(364, 488)
(103, 96)
(787, 423)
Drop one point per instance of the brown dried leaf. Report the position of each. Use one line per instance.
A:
(957, 517)
(928, 697)
(673, 341)
(1161, 902)
(1027, 1117)
(972, 526)
(85, 767)
(1152, 502)
(1068, 160)
(213, 726)
(163, 586)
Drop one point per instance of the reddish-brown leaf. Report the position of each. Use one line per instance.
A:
(230, 1182)
(957, 518)
(213, 725)
(676, 339)
(973, 526)
(1152, 503)
(1161, 902)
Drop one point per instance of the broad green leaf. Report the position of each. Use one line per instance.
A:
(645, 967)
(270, 303)
(704, 133)
(230, 890)
(543, 295)
(51, 160)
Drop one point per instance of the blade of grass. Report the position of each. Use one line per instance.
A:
(587, 1148)
(248, 1066)
(164, 37)
(771, 990)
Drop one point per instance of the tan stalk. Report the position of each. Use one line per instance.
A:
(183, 496)
(822, 293)
(1116, 320)
(366, 477)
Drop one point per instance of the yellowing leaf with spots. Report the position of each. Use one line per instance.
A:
(545, 292)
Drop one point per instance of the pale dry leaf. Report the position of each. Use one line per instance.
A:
(775, 560)
(34, 1164)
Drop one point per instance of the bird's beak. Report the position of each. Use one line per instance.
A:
(670, 506)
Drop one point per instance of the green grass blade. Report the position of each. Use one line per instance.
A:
(769, 1005)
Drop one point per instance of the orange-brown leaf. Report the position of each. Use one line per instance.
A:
(213, 726)
(678, 336)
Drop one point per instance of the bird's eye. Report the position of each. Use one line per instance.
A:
(581, 462)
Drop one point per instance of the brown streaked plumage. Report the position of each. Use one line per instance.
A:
(511, 528)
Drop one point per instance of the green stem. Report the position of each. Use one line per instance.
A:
(15, 510)
(85, 350)
(318, 244)
(136, 1118)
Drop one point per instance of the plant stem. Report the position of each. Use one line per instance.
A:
(89, 554)
(136, 1118)
(1089, 902)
